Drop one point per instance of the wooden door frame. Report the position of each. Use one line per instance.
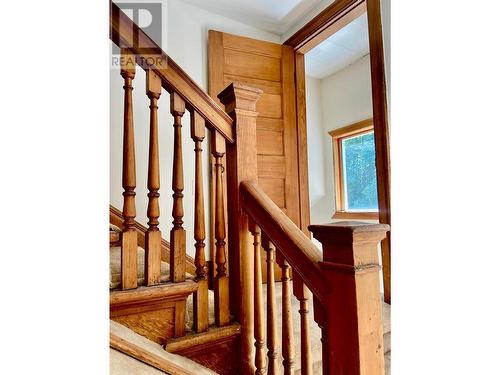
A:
(325, 24)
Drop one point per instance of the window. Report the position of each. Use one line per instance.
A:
(354, 171)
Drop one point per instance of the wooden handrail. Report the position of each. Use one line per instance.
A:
(298, 250)
(123, 32)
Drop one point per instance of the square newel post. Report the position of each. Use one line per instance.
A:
(240, 103)
(352, 305)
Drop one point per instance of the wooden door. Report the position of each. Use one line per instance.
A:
(270, 67)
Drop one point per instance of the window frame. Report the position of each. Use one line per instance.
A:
(356, 129)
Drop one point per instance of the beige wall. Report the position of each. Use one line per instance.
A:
(345, 98)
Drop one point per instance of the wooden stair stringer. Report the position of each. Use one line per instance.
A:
(141, 349)
(217, 349)
(156, 312)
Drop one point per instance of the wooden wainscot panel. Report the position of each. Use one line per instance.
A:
(269, 105)
(251, 65)
(275, 189)
(270, 142)
(157, 325)
(157, 313)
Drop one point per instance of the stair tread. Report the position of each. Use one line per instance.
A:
(115, 272)
(121, 363)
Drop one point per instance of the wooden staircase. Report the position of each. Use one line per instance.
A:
(153, 281)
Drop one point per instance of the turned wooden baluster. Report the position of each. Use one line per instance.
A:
(200, 297)
(178, 233)
(304, 295)
(152, 262)
(260, 356)
(272, 332)
(221, 284)
(129, 234)
(287, 339)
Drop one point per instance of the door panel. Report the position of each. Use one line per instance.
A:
(269, 67)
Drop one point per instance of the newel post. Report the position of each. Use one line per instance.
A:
(353, 324)
(240, 103)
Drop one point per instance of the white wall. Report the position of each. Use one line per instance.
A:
(185, 39)
(345, 98)
(315, 153)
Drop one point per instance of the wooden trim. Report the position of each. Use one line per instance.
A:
(123, 32)
(116, 218)
(382, 133)
(211, 337)
(355, 215)
(338, 135)
(171, 291)
(300, 82)
(358, 127)
(145, 356)
(317, 30)
(325, 24)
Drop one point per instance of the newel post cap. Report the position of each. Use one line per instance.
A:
(342, 240)
(240, 96)
(345, 230)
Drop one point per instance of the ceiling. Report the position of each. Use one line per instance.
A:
(340, 50)
(275, 16)
(281, 16)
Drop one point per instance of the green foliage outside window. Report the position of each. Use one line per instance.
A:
(360, 180)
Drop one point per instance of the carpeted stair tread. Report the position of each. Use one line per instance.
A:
(121, 363)
(115, 268)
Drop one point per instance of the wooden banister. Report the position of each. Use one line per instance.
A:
(344, 281)
(298, 250)
(123, 32)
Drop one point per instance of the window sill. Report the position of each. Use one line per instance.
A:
(355, 215)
